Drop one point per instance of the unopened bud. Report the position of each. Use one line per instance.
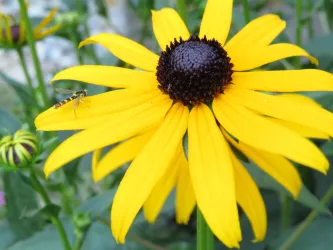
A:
(18, 150)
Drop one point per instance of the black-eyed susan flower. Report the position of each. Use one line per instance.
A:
(13, 33)
(203, 85)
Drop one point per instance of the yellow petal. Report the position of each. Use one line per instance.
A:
(8, 30)
(185, 197)
(259, 32)
(45, 21)
(125, 49)
(302, 130)
(212, 176)
(300, 99)
(167, 26)
(282, 170)
(120, 127)
(109, 76)
(95, 159)
(22, 29)
(96, 109)
(146, 170)
(264, 134)
(119, 155)
(2, 21)
(153, 205)
(250, 200)
(255, 57)
(47, 32)
(285, 80)
(283, 108)
(216, 20)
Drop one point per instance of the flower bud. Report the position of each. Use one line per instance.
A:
(81, 221)
(18, 150)
(14, 34)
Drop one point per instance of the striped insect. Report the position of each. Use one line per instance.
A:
(76, 97)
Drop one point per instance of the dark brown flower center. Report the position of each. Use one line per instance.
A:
(194, 71)
(15, 31)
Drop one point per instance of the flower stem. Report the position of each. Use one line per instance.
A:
(310, 21)
(32, 44)
(298, 30)
(27, 76)
(246, 8)
(301, 228)
(286, 212)
(54, 219)
(80, 9)
(205, 238)
(181, 7)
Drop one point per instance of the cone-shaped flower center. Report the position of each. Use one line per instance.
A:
(194, 71)
(15, 31)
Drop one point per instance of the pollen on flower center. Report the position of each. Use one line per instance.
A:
(194, 71)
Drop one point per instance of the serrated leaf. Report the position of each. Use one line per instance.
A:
(21, 201)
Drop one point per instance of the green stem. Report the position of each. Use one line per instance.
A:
(305, 224)
(246, 8)
(205, 238)
(27, 76)
(32, 44)
(181, 7)
(73, 36)
(298, 30)
(54, 219)
(310, 21)
(286, 212)
(80, 9)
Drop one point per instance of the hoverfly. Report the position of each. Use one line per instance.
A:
(75, 97)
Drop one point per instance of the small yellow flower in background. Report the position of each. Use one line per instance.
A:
(203, 85)
(13, 33)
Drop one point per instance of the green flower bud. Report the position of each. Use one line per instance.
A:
(81, 221)
(18, 150)
(69, 19)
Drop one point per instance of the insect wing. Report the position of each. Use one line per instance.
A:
(64, 91)
(76, 103)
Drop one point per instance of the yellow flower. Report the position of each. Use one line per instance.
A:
(13, 34)
(201, 85)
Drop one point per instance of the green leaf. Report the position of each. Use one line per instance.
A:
(99, 237)
(317, 236)
(21, 89)
(327, 148)
(22, 204)
(7, 237)
(8, 122)
(51, 210)
(46, 239)
(320, 46)
(97, 205)
(305, 197)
